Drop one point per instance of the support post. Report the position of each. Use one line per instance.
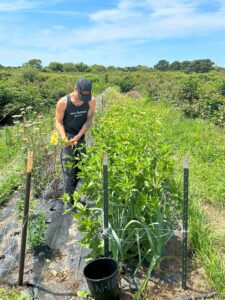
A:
(185, 224)
(106, 203)
(25, 218)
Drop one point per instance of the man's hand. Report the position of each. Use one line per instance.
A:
(74, 140)
(65, 141)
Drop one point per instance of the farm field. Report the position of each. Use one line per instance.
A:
(146, 139)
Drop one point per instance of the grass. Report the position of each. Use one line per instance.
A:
(10, 178)
(9, 145)
(29, 133)
(14, 294)
(10, 161)
(204, 143)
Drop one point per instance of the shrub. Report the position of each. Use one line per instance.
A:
(189, 91)
(29, 74)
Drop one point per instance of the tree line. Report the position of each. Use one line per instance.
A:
(198, 66)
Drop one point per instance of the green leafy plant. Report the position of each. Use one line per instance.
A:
(14, 294)
(84, 294)
(140, 184)
(36, 227)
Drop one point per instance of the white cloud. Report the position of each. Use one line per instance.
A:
(19, 5)
(130, 20)
(115, 32)
(6, 6)
(155, 19)
(113, 15)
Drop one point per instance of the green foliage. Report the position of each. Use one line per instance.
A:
(10, 162)
(140, 184)
(215, 269)
(34, 63)
(81, 67)
(29, 74)
(84, 294)
(142, 191)
(71, 67)
(143, 286)
(126, 83)
(14, 294)
(222, 89)
(204, 144)
(193, 93)
(36, 227)
(55, 67)
(189, 91)
(198, 66)
(8, 184)
(98, 68)
(175, 66)
(162, 65)
(30, 133)
(202, 65)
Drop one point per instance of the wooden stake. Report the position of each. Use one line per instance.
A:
(25, 217)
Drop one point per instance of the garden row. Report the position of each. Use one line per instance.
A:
(142, 193)
(146, 149)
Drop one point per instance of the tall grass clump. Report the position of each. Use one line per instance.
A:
(30, 132)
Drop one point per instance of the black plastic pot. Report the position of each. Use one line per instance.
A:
(102, 278)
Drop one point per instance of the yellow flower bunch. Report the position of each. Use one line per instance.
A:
(55, 138)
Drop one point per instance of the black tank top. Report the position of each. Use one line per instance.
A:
(74, 117)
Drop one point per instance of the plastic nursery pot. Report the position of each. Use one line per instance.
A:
(102, 278)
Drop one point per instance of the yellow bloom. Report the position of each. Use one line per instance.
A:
(54, 138)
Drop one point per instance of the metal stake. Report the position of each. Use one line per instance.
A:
(185, 224)
(106, 203)
(25, 218)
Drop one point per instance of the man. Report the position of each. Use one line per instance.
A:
(74, 115)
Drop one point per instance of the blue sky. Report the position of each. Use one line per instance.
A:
(111, 32)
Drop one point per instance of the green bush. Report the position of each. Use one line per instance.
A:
(29, 74)
(189, 91)
(222, 89)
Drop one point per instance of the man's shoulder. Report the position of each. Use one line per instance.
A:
(63, 99)
(62, 102)
(92, 102)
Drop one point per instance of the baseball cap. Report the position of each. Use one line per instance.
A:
(84, 87)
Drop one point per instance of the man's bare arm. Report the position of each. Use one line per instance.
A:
(60, 111)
